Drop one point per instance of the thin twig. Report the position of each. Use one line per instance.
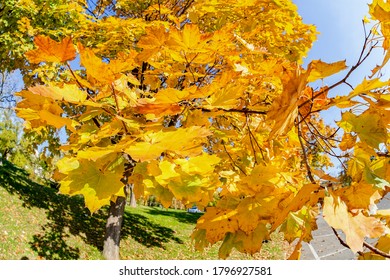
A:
(318, 133)
(376, 250)
(342, 242)
(255, 140)
(234, 110)
(365, 244)
(328, 145)
(362, 58)
(234, 163)
(305, 160)
(250, 140)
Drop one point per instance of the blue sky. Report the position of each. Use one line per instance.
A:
(339, 23)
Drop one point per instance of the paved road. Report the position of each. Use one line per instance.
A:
(326, 246)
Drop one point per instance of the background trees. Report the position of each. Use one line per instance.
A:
(184, 98)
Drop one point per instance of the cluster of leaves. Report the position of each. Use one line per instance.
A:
(187, 98)
(20, 20)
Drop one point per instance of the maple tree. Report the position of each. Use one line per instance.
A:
(183, 99)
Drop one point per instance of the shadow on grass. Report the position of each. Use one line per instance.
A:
(146, 232)
(67, 216)
(180, 216)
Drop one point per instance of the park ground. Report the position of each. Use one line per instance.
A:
(38, 223)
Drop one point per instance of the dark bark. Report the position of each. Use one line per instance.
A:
(113, 229)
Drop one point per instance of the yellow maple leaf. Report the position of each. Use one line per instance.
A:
(189, 188)
(155, 38)
(366, 19)
(308, 195)
(158, 110)
(203, 164)
(284, 109)
(106, 72)
(187, 39)
(51, 51)
(217, 223)
(95, 153)
(67, 164)
(57, 121)
(227, 97)
(96, 186)
(366, 86)
(379, 10)
(252, 243)
(355, 227)
(68, 93)
(40, 111)
(251, 210)
(262, 179)
(319, 69)
(300, 224)
(168, 173)
(170, 96)
(37, 102)
(245, 243)
(359, 195)
(27, 114)
(347, 142)
(187, 142)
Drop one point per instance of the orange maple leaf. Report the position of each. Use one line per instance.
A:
(51, 51)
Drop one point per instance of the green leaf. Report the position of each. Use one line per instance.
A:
(374, 179)
(368, 126)
(227, 246)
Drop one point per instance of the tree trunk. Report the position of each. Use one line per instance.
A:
(113, 229)
(112, 236)
(133, 201)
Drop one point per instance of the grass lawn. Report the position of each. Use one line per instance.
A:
(38, 223)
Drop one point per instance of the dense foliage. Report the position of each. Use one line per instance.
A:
(186, 98)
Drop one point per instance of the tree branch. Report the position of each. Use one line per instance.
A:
(252, 136)
(305, 160)
(233, 110)
(362, 58)
(234, 163)
(365, 244)
(118, 109)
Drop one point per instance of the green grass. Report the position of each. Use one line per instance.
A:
(38, 223)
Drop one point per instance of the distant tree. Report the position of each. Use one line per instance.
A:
(9, 134)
